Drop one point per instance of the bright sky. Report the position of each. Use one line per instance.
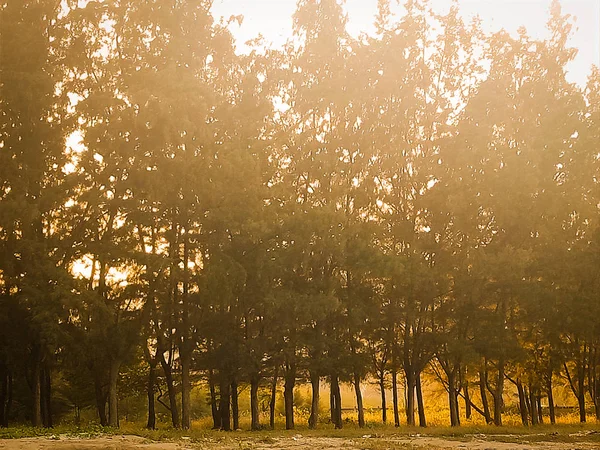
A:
(272, 18)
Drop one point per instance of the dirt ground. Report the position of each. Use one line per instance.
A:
(298, 442)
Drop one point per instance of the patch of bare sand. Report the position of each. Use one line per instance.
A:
(294, 443)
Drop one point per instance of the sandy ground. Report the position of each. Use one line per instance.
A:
(292, 443)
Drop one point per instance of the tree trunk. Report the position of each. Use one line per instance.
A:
(213, 400)
(288, 395)
(410, 398)
(36, 419)
(235, 410)
(420, 403)
(314, 406)
(581, 388)
(522, 403)
(168, 371)
(100, 400)
(46, 397)
(359, 401)
(533, 406)
(4, 395)
(186, 386)
(383, 399)
(225, 404)
(273, 399)
(468, 411)
(539, 408)
(254, 412)
(482, 392)
(498, 392)
(550, 399)
(452, 400)
(151, 424)
(395, 397)
(337, 402)
(113, 398)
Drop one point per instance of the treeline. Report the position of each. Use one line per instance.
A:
(425, 199)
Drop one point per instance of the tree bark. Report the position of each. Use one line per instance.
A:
(151, 424)
(420, 402)
(254, 412)
(273, 399)
(337, 402)
(36, 419)
(288, 395)
(533, 406)
(359, 401)
(314, 406)
(168, 371)
(468, 411)
(186, 386)
(225, 404)
(46, 396)
(213, 401)
(113, 398)
(383, 399)
(484, 399)
(186, 345)
(550, 399)
(101, 399)
(4, 395)
(410, 398)
(395, 397)
(453, 400)
(522, 403)
(235, 410)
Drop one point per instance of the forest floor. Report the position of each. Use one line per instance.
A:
(584, 437)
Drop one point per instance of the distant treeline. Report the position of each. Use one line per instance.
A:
(419, 202)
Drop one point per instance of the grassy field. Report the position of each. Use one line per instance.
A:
(373, 437)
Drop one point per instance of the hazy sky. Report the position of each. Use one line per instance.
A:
(272, 18)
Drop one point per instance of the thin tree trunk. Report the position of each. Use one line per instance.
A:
(499, 390)
(254, 412)
(452, 400)
(359, 401)
(186, 344)
(186, 420)
(581, 390)
(235, 411)
(550, 400)
(410, 398)
(383, 399)
(168, 371)
(288, 395)
(3, 396)
(395, 397)
(273, 399)
(533, 406)
(332, 413)
(213, 401)
(522, 403)
(468, 411)
(100, 400)
(224, 406)
(151, 424)
(337, 402)
(314, 407)
(484, 399)
(46, 397)
(420, 403)
(36, 419)
(113, 399)
(539, 408)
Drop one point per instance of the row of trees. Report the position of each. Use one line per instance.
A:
(338, 210)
